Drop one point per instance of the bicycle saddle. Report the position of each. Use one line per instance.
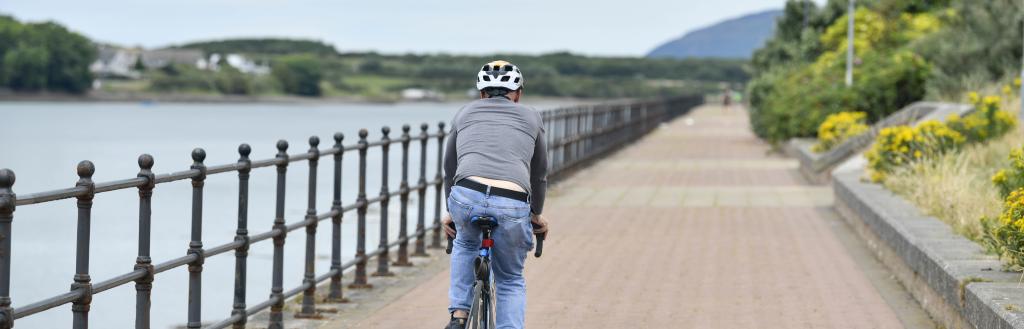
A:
(484, 222)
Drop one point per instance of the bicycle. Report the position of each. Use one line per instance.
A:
(481, 311)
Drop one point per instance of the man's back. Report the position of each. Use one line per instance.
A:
(497, 138)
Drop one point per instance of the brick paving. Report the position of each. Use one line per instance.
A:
(697, 225)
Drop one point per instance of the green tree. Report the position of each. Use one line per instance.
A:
(69, 57)
(139, 65)
(230, 80)
(25, 68)
(42, 56)
(981, 43)
(298, 74)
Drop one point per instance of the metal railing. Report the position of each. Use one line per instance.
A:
(575, 136)
(580, 134)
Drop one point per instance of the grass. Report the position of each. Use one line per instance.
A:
(957, 187)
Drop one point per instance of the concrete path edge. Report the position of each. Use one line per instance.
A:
(950, 276)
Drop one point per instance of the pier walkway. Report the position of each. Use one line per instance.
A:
(697, 225)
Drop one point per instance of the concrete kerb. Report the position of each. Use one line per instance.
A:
(950, 276)
(816, 167)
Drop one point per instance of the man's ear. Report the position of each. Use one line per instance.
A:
(519, 93)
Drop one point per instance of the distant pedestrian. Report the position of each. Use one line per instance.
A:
(726, 99)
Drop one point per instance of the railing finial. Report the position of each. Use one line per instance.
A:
(314, 141)
(363, 133)
(244, 150)
(6, 178)
(282, 147)
(385, 130)
(146, 161)
(338, 137)
(86, 169)
(198, 155)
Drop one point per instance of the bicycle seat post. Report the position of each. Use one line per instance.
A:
(486, 225)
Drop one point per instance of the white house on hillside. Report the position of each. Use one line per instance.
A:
(116, 62)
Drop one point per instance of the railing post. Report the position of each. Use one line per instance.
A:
(80, 307)
(403, 230)
(7, 204)
(385, 198)
(308, 279)
(195, 247)
(335, 295)
(144, 285)
(280, 232)
(566, 147)
(359, 282)
(439, 184)
(580, 142)
(242, 235)
(421, 188)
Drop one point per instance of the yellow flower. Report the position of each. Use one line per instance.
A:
(973, 97)
(991, 100)
(877, 176)
(999, 177)
(1016, 83)
(1007, 90)
(839, 127)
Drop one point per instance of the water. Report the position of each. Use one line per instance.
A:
(42, 143)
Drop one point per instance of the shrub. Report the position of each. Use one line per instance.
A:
(299, 74)
(175, 78)
(980, 43)
(1005, 236)
(799, 73)
(901, 145)
(1011, 179)
(986, 122)
(838, 128)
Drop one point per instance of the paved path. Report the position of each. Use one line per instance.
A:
(695, 226)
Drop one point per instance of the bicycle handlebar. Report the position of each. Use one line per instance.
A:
(448, 249)
(540, 241)
(536, 253)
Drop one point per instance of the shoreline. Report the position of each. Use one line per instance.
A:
(106, 97)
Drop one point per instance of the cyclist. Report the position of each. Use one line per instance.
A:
(495, 164)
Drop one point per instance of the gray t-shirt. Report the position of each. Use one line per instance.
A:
(498, 139)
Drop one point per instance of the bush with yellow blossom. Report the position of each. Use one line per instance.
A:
(901, 145)
(1011, 178)
(839, 127)
(1005, 235)
(986, 122)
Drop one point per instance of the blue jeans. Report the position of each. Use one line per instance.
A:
(513, 239)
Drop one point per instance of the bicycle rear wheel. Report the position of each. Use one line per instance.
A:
(473, 320)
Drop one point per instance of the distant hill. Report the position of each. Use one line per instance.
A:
(268, 46)
(734, 38)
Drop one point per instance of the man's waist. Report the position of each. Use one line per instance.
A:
(472, 183)
(508, 185)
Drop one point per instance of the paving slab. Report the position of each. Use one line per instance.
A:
(697, 225)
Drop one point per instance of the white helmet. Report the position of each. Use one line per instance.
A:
(499, 74)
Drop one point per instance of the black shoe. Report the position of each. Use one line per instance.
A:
(456, 323)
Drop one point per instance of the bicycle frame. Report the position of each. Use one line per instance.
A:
(481, 311)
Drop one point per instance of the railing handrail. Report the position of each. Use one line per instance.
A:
(575, 135)
(135, 182)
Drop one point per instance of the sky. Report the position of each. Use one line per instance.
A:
(592, 27)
